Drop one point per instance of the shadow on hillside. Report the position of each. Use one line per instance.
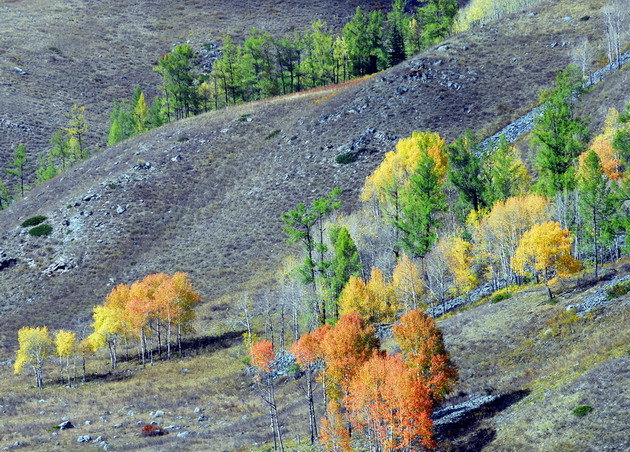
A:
(210, 344)
(472, 432)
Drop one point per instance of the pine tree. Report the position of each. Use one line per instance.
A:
(507, 175)
(77, 129)
(19, 167)
(595, 200)
(558, 136)
(345, 264)
(47, 169)
(423, 199)
(140, 115)
(465, 171)
(5, 196)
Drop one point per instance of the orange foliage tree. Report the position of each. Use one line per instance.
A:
(309, 354)
(262, 356)
(390, 403)
(346, 347)
(422, 345)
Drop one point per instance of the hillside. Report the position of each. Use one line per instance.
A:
(90, 52)
(205, 196)
(191, 188)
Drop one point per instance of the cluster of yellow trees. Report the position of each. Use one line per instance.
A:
(151, 312)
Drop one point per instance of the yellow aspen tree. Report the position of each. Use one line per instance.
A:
(35, 346)
(381, 303)
(352, 295)
(545, 250)
(386, 181)
(461, 261)
(375, 300)
(111, 322)
(65, 348)
(408, 283)
(497, 233)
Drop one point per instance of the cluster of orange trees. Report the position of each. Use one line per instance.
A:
(388, 397)
(154, 312)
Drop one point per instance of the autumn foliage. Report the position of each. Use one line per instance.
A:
(389, 398)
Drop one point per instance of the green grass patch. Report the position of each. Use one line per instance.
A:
(618, 290)
(273, 134)
(582, 410)
(41, 230)
(33, 221)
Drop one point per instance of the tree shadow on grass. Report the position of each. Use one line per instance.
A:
(472, 431)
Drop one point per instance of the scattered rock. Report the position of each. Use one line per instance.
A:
(117, 425)
(19, 70)
(202, 418)
(183, 434)
(131, 413)
(443, 48)
(121, 209)
(84, 439)
(65, 425)
(158, 413)
(532, 14)
(177, 158)
(184, 371)
(567, 19)
(197, 410)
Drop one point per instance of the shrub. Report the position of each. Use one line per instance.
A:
(42, 229)
(582, 410)
(33, 221)
(345, 158)
(182, 139)
(153, 430)
(500, 297)
(618, 290)
(272, 134)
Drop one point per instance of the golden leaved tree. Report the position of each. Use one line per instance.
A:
(545, 251)
(35, 346)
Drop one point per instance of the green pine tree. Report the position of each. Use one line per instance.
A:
(422, 201)
(595, 201)
(559, 137)
(19, 168)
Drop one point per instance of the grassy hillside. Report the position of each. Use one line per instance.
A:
(205, 196)
(89, 52)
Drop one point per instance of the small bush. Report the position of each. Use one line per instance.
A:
(41, 230)
(244, 118)
(273, 134)
(618, 290)
(182, 139)
(153, 430)
(500, 297)
(113, 186)
(345, 158)
(582, 410)
(33, 221)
